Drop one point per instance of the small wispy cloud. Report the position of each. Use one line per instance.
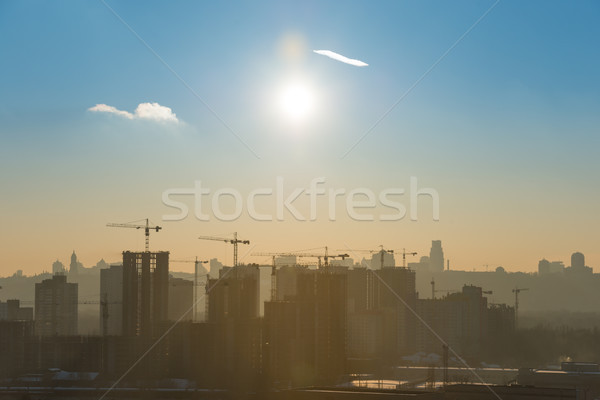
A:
(146, 111)
(341, 58)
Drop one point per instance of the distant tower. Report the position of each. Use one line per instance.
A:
(73, 267)
(577, 260)
(543, 267)
(436, 256)
(58, 268)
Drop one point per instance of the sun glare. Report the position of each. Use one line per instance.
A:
(296, 101)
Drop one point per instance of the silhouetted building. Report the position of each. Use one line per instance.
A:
(436, 256)
(145, 291)
(16, 355)
(286, 278)
(58, 268)
(74, 267)
(421, 266)
(577, 260)
(394, 295)
(11, 310)
(111, 300)
(500, 321)
(463, 320)
(214, 267)
(379, 304)
(543, 267)
(181, 299)
(56, 307)
(365, 335)
(444, 317)
(68, 353)
(385, 257)
(235, 294)
(475, 323)
(547, 267)
(360, 290)
(578, 265)
(305, 335)
(233, 314)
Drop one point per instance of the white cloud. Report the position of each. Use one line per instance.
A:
(110, 109)
(147, 111)
(341, 58)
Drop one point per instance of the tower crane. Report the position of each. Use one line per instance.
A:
(434, 290)
(404, 253)
(196, 276)
(146, 228)
(235, 241)
(516, 291)
(326, 256)
(274, 265)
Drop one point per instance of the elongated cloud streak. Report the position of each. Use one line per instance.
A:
(341, 58)
(147, 111)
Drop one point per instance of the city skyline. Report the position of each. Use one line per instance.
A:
(122, 103)
(358, 257)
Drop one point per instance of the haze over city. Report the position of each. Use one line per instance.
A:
(300, 200)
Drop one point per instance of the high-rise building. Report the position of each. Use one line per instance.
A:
(181, 299)
(16, 351)
(543, 267)
(441, 318)
(11, 310)
(233, 313)
(463, 320)
(578, 265)
(394, 295)
(286, 281)
(577, 260)
(436, 256)
(214, 267)
(382, 256)
(56, 307)
(365, 335)
(234, 295)
(145, 291)
(111, 300)
(360, 290)
(305, 334)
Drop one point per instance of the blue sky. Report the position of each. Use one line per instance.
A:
(505, 127)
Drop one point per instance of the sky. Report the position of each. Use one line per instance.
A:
(107, 106)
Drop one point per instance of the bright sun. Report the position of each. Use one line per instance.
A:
(296, 101)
